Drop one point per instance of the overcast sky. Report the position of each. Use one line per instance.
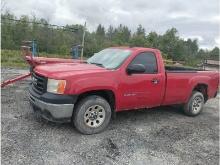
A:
(193, 18)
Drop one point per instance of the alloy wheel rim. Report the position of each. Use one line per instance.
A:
(94, 116)
(197, 104)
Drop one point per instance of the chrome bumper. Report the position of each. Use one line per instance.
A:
(52, 112)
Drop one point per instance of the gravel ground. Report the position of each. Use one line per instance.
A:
(157, 136)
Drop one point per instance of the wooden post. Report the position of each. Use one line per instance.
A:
(83, 40)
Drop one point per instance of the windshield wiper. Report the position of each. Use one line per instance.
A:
(98, 64)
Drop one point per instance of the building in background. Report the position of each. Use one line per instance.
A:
(211, 65)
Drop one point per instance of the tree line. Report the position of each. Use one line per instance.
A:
(59, 40)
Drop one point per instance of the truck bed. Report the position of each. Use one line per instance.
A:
(180, 81)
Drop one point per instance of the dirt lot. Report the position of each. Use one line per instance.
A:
(158, 136)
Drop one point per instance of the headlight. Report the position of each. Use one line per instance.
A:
(56, 86)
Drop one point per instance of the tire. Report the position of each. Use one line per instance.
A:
(195, 104)
(91, 115)
(34, 108)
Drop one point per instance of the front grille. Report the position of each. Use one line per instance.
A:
(39, 83)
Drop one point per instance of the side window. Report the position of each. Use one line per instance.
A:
(148, 59)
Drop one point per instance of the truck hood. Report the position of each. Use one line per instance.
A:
(63, 70)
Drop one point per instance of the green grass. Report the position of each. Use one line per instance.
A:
(14, 58)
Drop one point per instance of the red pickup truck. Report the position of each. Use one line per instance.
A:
(116, 79)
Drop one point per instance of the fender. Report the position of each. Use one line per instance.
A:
(193, 82)
(95, 83)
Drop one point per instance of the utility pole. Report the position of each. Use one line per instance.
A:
(83, 40)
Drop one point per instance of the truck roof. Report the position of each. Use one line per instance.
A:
(135, 48)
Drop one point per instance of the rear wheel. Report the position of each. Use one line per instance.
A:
(195, 104)
(92, 115)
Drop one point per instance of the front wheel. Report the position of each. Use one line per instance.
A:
(195, 104)
(92, 115)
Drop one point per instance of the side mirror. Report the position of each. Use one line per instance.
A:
(136, 68)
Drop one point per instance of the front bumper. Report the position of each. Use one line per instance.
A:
(53, 107)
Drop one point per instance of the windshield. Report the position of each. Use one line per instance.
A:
(109, 58)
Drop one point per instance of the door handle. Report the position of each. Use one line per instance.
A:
(155, 81)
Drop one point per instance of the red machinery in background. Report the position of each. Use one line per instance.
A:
(34, 60)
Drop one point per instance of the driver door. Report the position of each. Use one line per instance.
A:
(142, 90)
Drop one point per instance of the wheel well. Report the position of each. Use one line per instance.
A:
(203, 88)
(106, 94)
